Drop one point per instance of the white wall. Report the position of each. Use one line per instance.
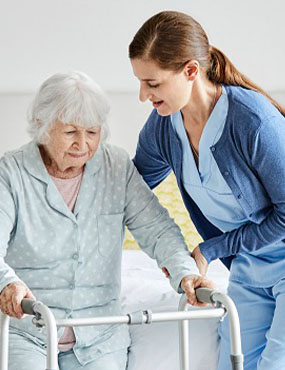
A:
(41, 37)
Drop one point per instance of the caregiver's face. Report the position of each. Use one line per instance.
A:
(71, 146)
(168, 91)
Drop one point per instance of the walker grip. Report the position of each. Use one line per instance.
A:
(204, 295)
(28, 306)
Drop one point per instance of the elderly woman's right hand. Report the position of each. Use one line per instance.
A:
(11, 298)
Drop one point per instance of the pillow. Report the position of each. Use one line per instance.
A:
(170, 197)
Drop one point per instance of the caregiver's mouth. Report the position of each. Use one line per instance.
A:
(157, 104)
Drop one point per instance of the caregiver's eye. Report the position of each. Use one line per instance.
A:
(153, 86)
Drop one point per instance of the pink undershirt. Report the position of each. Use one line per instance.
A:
(68, 189)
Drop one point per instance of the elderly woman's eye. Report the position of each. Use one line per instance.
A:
(69, 132)
(92, 132)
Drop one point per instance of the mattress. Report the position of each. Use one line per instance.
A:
(156, 346)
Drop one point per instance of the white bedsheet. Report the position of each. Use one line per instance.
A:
(155, 346)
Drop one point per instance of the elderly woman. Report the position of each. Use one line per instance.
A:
(65, 199)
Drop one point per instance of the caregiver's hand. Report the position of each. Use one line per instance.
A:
(200, 260)
(190, 282)
(11, 298)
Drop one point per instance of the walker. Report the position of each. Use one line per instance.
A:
(44, 317)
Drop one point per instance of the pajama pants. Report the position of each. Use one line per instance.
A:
(24, 354)
(262, 319)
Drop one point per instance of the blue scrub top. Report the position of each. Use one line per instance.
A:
(207, 187)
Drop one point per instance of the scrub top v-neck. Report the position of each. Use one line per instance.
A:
(205, 184)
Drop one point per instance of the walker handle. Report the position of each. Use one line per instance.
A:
(28, 306)
(204, 295)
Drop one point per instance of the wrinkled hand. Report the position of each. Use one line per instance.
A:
(11, 298)
(200, 260)
(189, 283)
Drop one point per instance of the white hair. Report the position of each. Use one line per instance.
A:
(71, 98)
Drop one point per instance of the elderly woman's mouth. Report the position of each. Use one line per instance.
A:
(78, 155)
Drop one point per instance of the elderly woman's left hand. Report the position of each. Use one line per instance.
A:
(200, 260)
(191, 282)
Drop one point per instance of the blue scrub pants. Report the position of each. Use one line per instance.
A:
(25, 354)
(262, 319)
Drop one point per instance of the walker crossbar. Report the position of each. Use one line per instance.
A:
(44, 317)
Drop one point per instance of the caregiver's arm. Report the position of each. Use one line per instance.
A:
(159, 236)
(12, 289)
(148, 159)
(267, 153)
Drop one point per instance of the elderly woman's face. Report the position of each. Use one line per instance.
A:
(71, 146)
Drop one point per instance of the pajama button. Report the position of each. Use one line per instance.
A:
(213, 149)
(71, 286)
(75, 256)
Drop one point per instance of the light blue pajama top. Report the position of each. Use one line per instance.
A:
(72, 261)
(208, 188)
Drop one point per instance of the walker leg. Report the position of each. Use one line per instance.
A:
(4, 341)
(211, 296)
(237, 362)
(184, 344)
(184, 337)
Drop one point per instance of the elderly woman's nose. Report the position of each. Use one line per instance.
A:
(80, 142)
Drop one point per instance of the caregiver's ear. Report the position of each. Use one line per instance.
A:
(191, 69)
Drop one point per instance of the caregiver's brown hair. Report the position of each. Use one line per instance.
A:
(171, 39)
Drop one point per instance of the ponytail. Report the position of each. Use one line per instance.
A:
(223, 71)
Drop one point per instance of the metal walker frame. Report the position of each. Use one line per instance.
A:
(44, 317)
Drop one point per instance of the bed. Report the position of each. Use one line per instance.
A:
(155, 347)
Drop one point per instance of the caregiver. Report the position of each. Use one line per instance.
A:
(224, 139)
